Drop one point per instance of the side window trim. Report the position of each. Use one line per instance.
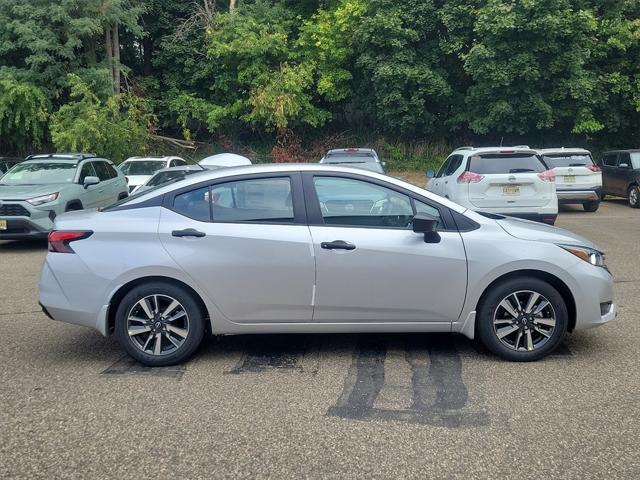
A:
(314, 213)
(299, 211)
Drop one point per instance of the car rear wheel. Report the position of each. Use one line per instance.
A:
(634, 196)
(522, 319)
(591, 206)
(159, 324)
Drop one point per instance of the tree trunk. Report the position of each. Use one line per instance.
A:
(232, 5)
(108, 45)
(116, 59)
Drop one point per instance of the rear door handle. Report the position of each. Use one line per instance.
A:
(188, 232)
(338, 245)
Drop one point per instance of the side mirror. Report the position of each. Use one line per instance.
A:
(88, 181)
(430, 174)
(427, 225)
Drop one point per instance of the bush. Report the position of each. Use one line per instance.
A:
(24, 110)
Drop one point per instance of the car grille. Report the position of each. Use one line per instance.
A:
(13, 210)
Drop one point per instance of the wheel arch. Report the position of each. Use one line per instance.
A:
(551, 279)
(73, 203)
(119, 294)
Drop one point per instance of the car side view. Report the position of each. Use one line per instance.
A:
(512, 181)
(313, 248)
(33, 193)
(621, 175)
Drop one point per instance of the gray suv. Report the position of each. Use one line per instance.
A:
(35, 191)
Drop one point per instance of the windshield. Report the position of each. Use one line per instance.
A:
(142, 167)
(572, 160)
(161, 178)
(501, 163)
(40, 173)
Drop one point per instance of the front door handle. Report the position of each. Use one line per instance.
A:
(338, 245)
(188, 232)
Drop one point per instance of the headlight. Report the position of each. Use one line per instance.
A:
(43, 199)
(589, 255)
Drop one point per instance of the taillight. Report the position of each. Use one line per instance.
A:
(59, 241)
(548, 175)
(594, 168)
(470, 177)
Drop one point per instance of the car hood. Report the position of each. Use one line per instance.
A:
(24, 192)
(135, 180)
(528, 230)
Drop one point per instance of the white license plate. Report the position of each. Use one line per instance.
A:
(3, 225)
(511, 189)
(569, 179)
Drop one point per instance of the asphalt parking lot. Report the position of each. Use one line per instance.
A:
(428, 406)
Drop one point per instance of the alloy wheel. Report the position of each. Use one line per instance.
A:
(158, 325)
(524, 321)
(633, 196)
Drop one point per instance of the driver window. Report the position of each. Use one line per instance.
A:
(345, 201)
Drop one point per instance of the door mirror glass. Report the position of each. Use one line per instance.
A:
(88, 181)
(430, 174)
(427, 225)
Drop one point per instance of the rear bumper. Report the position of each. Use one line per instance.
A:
(579, 196)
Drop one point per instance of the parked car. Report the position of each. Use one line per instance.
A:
(578, 178)
(171, 174)
(7, 162)
(294, 248)
(621, 175)
(363, 158)
(512, 181)
(140, 169)
(223, 160)
(34, 192)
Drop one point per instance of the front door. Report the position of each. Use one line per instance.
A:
(371, 267)
(246, 244)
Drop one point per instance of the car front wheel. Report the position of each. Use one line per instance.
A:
(634, 196)
(522, 319)
(159, 324)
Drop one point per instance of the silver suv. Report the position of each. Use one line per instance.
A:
(34, 192)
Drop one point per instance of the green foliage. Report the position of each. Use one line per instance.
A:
(113, 128)
(24, 110)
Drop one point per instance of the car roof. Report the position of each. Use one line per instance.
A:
(62, 156)
(277, 168)
(634, 150)
(553, 151)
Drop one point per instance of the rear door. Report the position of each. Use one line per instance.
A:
(436, 184)
(449, 177)
(508, 180)
(574, 171)
(623, 173)
(90, 196)
(245, 242)
(108, 184)
(609, 170)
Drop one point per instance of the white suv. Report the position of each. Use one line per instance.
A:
(140, 169)
(578, 178)
(511, 181)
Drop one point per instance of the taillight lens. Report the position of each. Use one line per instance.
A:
(59, 241)
(594, 168)
(548, 175)
(470, 177)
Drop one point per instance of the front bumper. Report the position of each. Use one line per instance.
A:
(25, 221)
(594, 296)
(579, 196)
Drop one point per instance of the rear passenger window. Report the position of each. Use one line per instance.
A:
(112, 171)
(263, 200)
(194, 204)
(611, 160)
(454, 164)
(443, 168)
(102, 171)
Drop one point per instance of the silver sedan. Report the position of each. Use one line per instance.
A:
(313, 248)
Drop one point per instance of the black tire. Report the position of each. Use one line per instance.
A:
(633, 195)
(122, 196)
(489, 307)
(73, 206)
(194, 316)
(591, 206)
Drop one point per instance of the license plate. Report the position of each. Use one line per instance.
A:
(511, 189)
(569, 179)
(3, 225)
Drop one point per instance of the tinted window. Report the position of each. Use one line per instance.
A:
(40, 173)
(102, 171)
(453, 165)
(443, 168)
(258, 200)
(344, 201)
(611, 159)
(87, 171)
(572, 160)
(113, 173)
(194, 204)
(429, 210)
(625, 158)
(497, 163)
